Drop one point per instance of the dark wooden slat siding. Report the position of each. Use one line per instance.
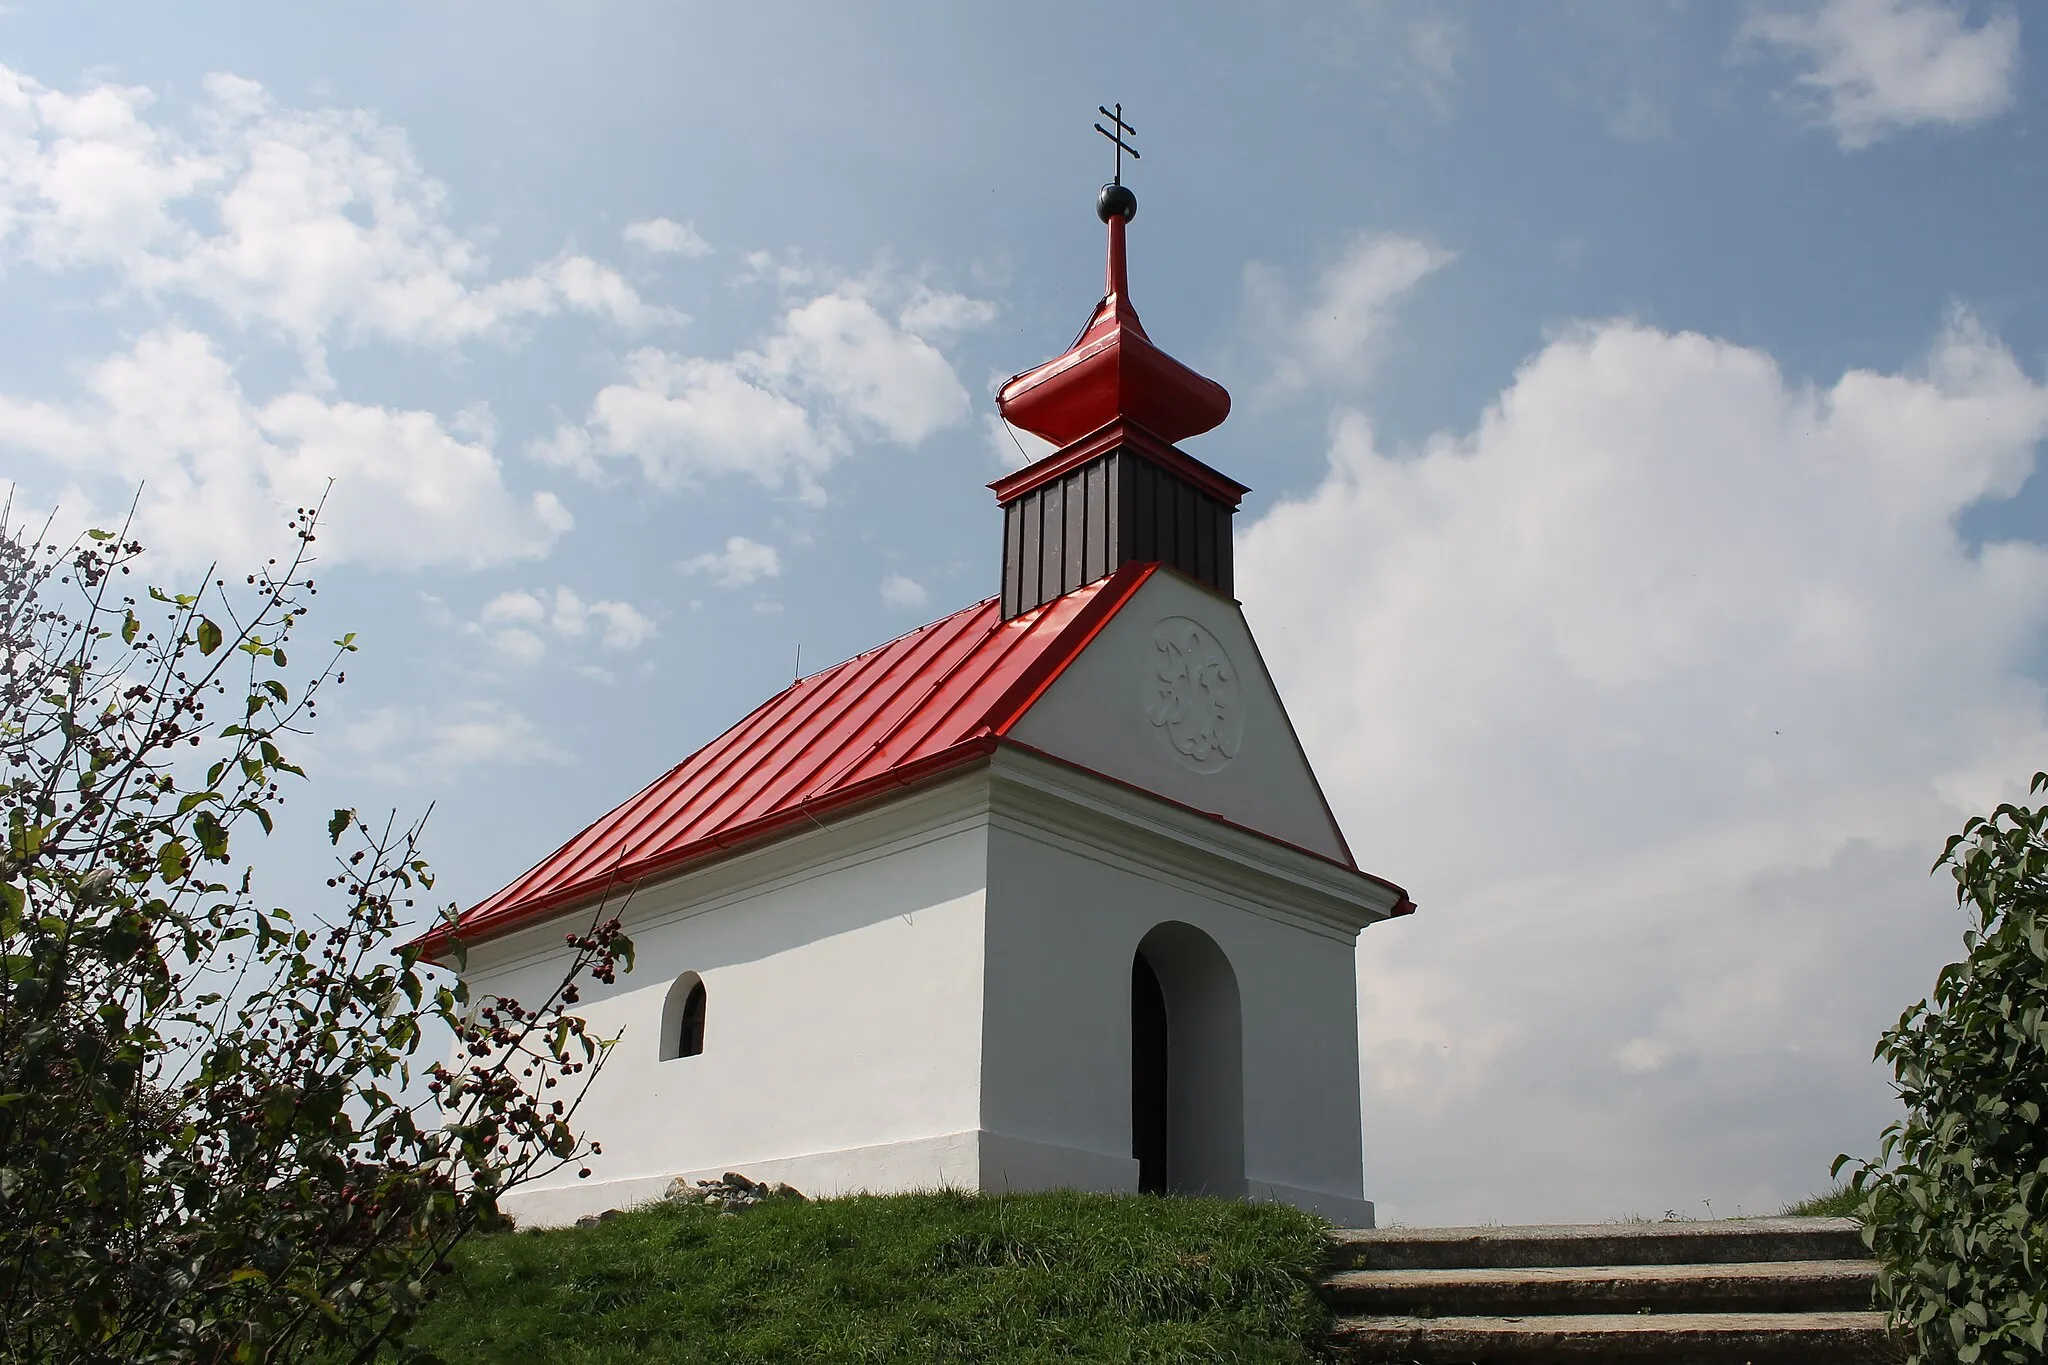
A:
(1013, 556)
(1027, 573)
(1142, 495)
(1184, 539)
(1079, 514)
(1092, 521)
(1101, 513)
(1051, 551)
(1226, 552)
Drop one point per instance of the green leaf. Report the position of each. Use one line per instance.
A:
(172, 860)
(212, 834)
(338, 823)
(209, 636)
(130, 627)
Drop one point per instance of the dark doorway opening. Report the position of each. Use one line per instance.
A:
(1148, 1076)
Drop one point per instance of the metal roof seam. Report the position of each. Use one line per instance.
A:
(611, 834)
(711, 790)
(883, 699)
(916, 708)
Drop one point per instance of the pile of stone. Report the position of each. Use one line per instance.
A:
(731, 1192)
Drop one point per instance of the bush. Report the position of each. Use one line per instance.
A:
(218, 1139)
(1956, 1205)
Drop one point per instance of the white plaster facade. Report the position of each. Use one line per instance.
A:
(935, 989)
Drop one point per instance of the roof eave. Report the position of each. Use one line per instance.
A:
(629, 876)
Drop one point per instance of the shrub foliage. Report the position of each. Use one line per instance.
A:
(219, 1140)
(1956, 1205)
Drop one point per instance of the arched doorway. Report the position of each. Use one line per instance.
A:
(1187, 1065)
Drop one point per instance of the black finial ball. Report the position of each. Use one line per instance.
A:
(1116, 201)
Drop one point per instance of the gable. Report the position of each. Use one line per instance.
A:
(1172, 696)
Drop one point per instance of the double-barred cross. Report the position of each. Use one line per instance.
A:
(1116, 116)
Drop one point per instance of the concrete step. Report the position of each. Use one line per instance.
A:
(1718, 1242)
(1617, 1339)
(1743, 1286)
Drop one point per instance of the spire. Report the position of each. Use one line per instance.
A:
(1117, 490)
(1113, 371)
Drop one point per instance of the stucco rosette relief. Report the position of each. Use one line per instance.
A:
(1192, 696)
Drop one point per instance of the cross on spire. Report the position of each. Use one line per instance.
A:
(1116, 116)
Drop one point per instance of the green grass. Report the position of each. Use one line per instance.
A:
(929, 1277)
(1839, 1202)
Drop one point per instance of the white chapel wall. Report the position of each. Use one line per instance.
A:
(1064, 920)
(843, 972)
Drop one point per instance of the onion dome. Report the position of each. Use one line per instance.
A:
(1113, 371)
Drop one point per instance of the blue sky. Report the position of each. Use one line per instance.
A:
(1642, 402)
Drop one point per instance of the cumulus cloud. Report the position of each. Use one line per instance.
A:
(514, 622)
(667, 237)
(406, 744)
(1659, 689)
(741, 562)
(224, 471)
(835, 369)
(1012, 447)
(904, 594)
(933, 312)
(839, 348)
(1877, 66)
(686, 417)
(313, 223)
(1333, 337)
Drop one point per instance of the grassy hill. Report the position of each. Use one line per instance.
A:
(929, 1277)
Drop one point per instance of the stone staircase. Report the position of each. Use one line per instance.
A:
(1755, 1291)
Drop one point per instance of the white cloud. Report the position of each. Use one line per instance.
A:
(835, 369)
(223, 472)
(514, 608)
(685, 417)
(1334, 337)
(567, 447)
(1010, 447)
(741, 562)
(513, 622)
(667, 237)
(1659, 690)
(1436, 44)
(904, 594)
(309, 222)
(411, 744)
(935, 312)
(837, 347)
(1877, 66)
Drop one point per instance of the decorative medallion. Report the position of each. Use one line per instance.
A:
(1191, 695)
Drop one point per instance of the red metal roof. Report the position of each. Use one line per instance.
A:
(939, 696)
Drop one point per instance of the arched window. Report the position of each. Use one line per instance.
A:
(682, 1017)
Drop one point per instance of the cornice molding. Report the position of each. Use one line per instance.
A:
(1112, 823)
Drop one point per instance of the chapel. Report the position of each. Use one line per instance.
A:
(1042, 894)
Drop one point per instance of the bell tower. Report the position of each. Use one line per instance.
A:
(1118, 489)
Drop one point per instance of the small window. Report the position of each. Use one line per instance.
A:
(691, 1042)
(682, 1018)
